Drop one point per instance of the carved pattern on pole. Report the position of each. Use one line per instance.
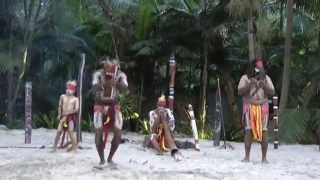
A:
(28, 112)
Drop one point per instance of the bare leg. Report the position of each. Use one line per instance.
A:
(115, 143)
(167, 133)
(264, 146)
(154, 140)
(170, 140)
(155, 144)
(99, 144)
(56, 140)
(58, 135)
(247, 145)
(73, 141)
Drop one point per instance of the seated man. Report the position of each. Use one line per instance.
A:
(162, 124)
(68, 107)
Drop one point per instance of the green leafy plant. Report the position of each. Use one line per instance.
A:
(45, 120)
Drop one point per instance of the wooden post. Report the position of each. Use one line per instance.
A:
(193, 123)
(172, 63)
(28, 112)
(275, 121)
(79, 92)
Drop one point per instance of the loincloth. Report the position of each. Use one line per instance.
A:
(256, 119)
(67, 122)
(107, 117)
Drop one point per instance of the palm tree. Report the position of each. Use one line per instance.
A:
(287, 57)
(36, 35)
(186, 22)
(32, 12)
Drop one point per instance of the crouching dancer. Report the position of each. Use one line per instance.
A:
(107, 83)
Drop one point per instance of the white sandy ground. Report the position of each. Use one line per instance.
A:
(290, 162)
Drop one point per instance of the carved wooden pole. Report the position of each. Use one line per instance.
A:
(275, 121)
(193, 123)
(172, 63)
(28, 112)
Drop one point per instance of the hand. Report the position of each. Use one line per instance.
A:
(262, 74)
(261, 83)
(66, 114)
(253, 82)
(113, 82)
(171, 126)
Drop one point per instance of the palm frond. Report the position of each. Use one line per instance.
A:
(293, 125)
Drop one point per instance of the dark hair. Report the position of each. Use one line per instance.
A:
(252, 64)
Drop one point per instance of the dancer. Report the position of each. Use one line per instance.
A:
(107, 83)
(255, 87)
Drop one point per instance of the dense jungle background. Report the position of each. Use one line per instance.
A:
(42, 41)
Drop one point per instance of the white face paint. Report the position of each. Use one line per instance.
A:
(257, 70)
(69, 92)
(191, 114)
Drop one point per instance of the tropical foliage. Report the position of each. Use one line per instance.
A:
(42, 41)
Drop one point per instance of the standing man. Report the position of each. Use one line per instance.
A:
(68, 108)
(255, 87)
(107, 84)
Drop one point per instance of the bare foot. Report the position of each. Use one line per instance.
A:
(159, 153)
(245, 160)
(110, 161)
(176, 155)
(53, 150)
(197, 147)
(102, 162)
(72, 149)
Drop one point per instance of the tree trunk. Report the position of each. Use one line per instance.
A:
(190, 78)
(251, 37)
(259, 49)
(29, 21)
(228, 84)
(10, 105)
(108, 11)
(281, 16)
(141, 93)
(309, 92)
(203, 98)
(10, 78)
(14, 90)
(287, 58)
